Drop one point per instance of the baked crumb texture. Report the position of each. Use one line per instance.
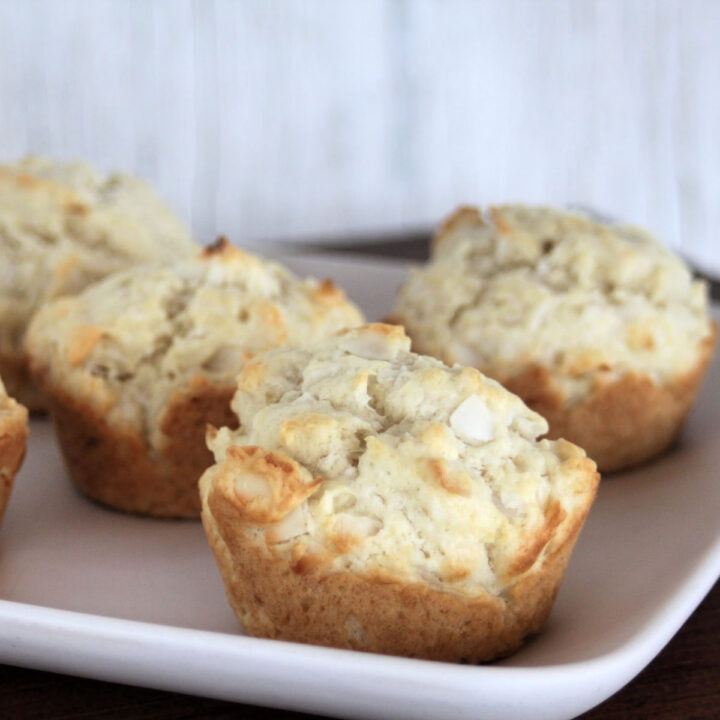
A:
(379, 500)
(13, 438)
(62, 227)
(597, 327)
(137, 365)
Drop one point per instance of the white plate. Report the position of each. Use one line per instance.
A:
(91, 592)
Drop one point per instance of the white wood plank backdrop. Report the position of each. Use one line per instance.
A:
(272, 118)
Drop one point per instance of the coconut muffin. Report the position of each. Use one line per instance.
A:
(379, 500)
(13, 436)
(136, 365)
(63, 226)
(597, 327)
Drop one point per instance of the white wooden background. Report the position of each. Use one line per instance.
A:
(272, 118)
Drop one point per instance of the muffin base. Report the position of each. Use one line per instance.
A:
(15, 372)
(622, 423)
(13, 440)
(118, 468)
(272, 597)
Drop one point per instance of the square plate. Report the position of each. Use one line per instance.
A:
(96, 593)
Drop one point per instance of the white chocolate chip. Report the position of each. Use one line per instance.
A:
(358, 526)
(249, 486)
(343, 501)
(293, 524)
(372, 345)
(528, 427)
(472, 421)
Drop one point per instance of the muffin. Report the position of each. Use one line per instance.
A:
(62, 226)
(137, 364)
(379, 500)
(597, 327)
(13, 435)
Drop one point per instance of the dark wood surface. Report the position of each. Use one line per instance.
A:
(682, 683)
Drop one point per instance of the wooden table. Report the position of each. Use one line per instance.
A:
(683, 682)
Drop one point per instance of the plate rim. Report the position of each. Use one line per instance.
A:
(25, 627)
